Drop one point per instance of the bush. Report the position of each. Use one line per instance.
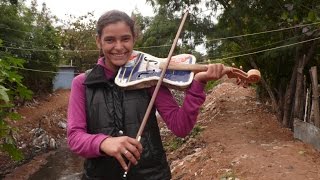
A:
(11, 88)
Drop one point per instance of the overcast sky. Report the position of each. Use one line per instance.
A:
(63, 8)
(80, 7)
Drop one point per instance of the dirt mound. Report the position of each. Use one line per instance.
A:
(242, 140)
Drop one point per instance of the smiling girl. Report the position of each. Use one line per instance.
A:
(103, 119)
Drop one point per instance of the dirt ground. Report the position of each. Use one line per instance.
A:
(236, 137)
(45, 113)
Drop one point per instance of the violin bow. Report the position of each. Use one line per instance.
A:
(156, 90)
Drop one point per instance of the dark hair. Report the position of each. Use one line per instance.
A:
(114, 16)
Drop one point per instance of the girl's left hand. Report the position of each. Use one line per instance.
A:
(214, 72)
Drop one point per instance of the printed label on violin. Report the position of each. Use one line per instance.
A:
(143, 70)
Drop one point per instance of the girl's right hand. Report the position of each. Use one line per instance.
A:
(124, 146)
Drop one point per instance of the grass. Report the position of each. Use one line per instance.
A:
(176, 142)
(211, 84)
(229, 175)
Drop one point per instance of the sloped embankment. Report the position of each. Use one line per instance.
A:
(241, 139)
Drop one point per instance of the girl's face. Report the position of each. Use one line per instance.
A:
(116, 42)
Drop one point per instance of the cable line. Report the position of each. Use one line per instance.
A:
(263, 32)
(241, 55)
(50, 50)
(216, 39)
(279, 47)
(256, 48)
(43, 71)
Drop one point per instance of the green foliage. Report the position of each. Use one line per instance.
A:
(159, 32)
(11, 88)
(159, 35)
(211, 84)
(230, 175)
(176, 142)
(13, 35)
(254, 34)
(173, 144)
(78, 36)
(196, 131)
(30, 35)
(44, 38)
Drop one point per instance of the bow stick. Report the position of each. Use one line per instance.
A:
(156, 90)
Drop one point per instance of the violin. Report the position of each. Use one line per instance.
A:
(143, 70)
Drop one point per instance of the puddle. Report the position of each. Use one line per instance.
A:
(62, 165)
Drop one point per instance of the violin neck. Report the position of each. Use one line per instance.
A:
(185, 67)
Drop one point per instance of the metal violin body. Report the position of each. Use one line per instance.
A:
(143, 70)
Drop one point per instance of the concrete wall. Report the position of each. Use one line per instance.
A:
(307, 133)
(64, 78)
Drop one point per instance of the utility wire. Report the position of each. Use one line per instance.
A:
(49, 50)
(260, 47)
(270, 49)
(43, 71)
(238, 36)
(240, 52)
(241, 55)
(216, 39)
(2, 27)
(263, 32)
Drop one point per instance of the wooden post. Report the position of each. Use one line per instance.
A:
(298, 99)
(315, 97)
(309, 106)
(306, 106)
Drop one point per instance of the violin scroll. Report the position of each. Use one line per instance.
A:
(252, 76)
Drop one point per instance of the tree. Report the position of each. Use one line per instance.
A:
(43, 48)
(78, 41)
(160, 31)
(30, 35)
(11, 86)
(158, 36)
(11, 89)
(28, 41)
(236, 38)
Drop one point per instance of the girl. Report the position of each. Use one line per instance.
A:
(103, 119)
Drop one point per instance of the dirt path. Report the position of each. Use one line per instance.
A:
(238, 138)
(242, 139)
(45, 113)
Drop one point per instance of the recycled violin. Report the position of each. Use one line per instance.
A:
(143, 70)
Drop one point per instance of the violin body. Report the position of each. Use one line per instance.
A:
(143, 70)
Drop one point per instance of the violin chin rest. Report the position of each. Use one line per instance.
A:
(254, 75)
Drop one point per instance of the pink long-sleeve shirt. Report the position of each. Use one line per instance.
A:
(180, 120)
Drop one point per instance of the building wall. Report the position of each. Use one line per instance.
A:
(63, 78)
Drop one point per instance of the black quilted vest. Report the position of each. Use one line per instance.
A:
(117, 112)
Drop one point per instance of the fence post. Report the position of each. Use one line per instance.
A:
(315, 97)
(306, 106)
